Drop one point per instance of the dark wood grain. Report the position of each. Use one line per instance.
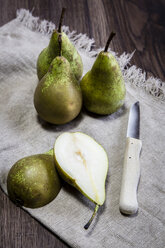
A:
(139, 24)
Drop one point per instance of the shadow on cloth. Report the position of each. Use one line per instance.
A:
(85, 201)
(61, 127)
(109, 117)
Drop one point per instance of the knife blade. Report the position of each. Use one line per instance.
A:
(128, 203)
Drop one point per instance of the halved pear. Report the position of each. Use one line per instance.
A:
(83, 163)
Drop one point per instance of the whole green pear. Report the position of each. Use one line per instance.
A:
(58, 97)
(33, 181)
(52, 51)
(103, 86)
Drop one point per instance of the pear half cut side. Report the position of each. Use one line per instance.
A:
(83, 163)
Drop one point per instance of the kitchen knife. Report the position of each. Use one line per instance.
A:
(131, 168)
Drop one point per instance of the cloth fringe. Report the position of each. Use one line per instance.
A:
(132, 74)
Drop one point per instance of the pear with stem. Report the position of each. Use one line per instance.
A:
(83, 163)
(58, 97)
(103, 86)
(52, 51)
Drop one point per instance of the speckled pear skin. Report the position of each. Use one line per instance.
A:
(103, 87)
(68, 51)
(33, 181)
(58, 97)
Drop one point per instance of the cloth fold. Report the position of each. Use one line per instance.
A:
(23, 134)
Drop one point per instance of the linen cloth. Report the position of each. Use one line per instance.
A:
(23, 133)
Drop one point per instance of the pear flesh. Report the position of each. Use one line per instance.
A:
(33, 181)
(83, 163)
(103, 87)
(58, 97)
(52, 51)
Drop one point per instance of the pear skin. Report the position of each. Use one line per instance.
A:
(52, 51)
(103, 87)
(58, 97)
(33, 181)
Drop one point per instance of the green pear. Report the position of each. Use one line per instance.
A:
(103, 86)
(58, 97)
(52, 51)
(33, 181)
(83, 163)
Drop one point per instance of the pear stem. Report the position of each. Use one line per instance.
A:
(61, 19)
(60, 44)
(50, 152)
(93, 215)
(112, 34)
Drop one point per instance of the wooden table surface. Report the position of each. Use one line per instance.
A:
(139, 24)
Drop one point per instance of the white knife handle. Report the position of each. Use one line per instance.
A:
(131, 173)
